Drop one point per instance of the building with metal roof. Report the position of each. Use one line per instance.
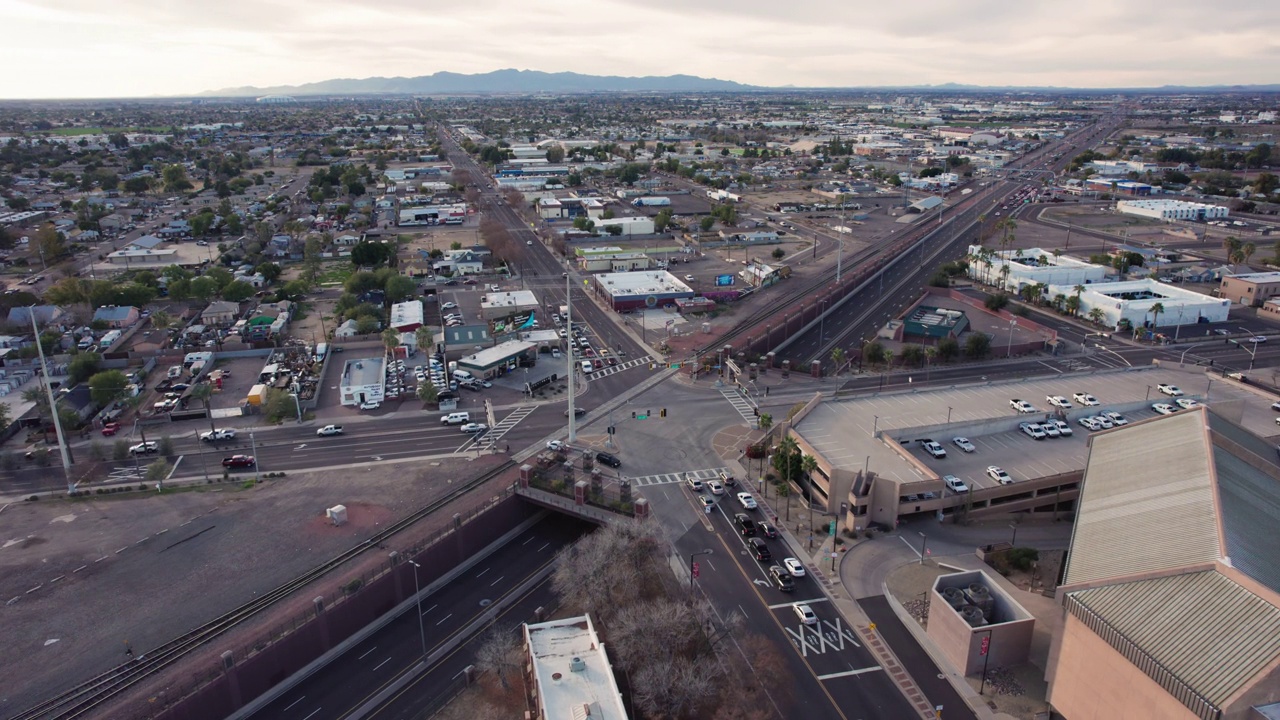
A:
(1172, 584)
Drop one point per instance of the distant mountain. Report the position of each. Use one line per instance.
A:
(498, 81)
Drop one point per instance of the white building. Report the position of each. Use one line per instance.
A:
(569, 672)
(361, 381)
(1172, 210)
(630, 225)
(1133, 300)
(502, 304)
(1030, 266)
(406, 316)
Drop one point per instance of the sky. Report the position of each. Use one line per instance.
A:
(141, 48)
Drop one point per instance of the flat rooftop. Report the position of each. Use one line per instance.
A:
(572, 670)
(646, 282)
(362, 371)
(496, 354)
(857, 433)
(512, 299)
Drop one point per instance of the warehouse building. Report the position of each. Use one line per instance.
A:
(1031, 266)
(635, 290)
(1251, 289)
(406, 316)
(1134, 301)
(1172, 210)
(361, 381)
(629, 225)
(505, 304)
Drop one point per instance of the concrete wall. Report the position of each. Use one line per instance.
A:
(1010, 642)
(1091, 680)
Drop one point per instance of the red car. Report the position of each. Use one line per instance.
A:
(238, 461)
(110, 429)
(613, 361)
(598, 364)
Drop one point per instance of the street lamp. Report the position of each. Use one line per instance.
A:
(924, 544)
(693, 568)
(417, 595)
(254, 444)
(1014, 541)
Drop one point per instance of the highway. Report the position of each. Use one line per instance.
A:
(369, 667)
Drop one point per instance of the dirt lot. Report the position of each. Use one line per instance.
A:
(83, 578)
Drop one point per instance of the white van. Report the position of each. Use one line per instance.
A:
(455, 418)
(586, 366)
(462, 375)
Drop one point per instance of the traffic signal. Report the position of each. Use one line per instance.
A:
(633, 414)
(610, 429)
(757, 411)
(663, 413)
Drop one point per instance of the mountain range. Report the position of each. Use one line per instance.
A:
(498, 81)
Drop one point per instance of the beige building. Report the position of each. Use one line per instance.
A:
(1251, 289)
(1171, 595)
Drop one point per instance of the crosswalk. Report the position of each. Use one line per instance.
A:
(675, 477)
(503, 426)
(615, 369)
(739, 403)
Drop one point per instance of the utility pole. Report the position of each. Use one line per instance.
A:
(53, 403)
(568, 299)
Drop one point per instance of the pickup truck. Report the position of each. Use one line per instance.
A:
(216, 435)
(329, 430)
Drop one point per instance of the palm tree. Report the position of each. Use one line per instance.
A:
(837, 359)
(766, 421)
(1248, 249)
(202, 392)
(809, 464)
(1004, 276)
(1155, 313)
(1096, 315)
(786, 448)
(1059, 301)
(391, 339)
(1078, 290)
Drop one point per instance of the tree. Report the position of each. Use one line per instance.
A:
(912, 355)
(107, 386)
(49, 244)
(424, 338)
(427, 392)
(948, 349)
(367, 325)
(499, 652)
(873, 352)
(204, 393)
(390, 339)
(661, 221)
(175, 179)
(555, 154)
(707, 223)
(1156, 309)
(237, 291)
(204, 288)
(1096, 315)
(399, 288)
(786, 460)
(371, 254)
(1078, 290)
(269, 271)
(837, 358)
(978, 346)
(83, 366)
(311, 260)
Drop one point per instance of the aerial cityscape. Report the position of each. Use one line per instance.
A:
(845, 364)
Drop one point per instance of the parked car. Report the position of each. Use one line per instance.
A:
(238, 461)
(1116, 418)
(328, 430)
(1085, 399)
(217, 435)
(1186, 403)
(998, 474)
(1063, 427)
(1022, 406)
(1170, 390)
(110, 429)
(1032, 430)
(1164, 408)
(955, 484)
(1058, 401)
(934, 449)
(370, 405)
(963, 443)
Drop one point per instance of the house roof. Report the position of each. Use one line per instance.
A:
(113, 313)
(217, 307)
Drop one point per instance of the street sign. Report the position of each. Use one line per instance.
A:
(696, 569)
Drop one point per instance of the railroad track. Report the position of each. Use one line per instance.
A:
(86, 697)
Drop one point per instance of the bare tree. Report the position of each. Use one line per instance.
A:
(500, 653)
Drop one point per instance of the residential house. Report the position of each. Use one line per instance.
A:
(45, 315)
(116, 316)
(220, 313)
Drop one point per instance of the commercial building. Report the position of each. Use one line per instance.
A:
(1118, 187)
(1251, 289)
(361, 381)
(568, 672)
(1171, 591)
(1136, 300)
(927, 324)
(1172, 210)
(569, 208)
(633, 290)
(611, 259)
(631, 225)
(453, 214)
(499, 359)
(1030, 266)
(407, 316)
(504, 304)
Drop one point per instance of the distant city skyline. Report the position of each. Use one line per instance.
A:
(137, 48)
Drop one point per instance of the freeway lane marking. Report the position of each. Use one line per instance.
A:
(375, 647)
(295, 702)
(384, 662)
(495, 582)
(446, 617)
(313, 712)
(847, 673)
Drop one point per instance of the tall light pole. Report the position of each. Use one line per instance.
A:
(417, 596)
(568, 300)
(693, 568)
(1012, 322)
(924, 545)
(1014, 541)
(53, 402)
(254, 444)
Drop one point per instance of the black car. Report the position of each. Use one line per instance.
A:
(768, 530)
(746, 526)
(605, 458)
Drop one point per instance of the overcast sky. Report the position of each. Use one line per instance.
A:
(128, 48)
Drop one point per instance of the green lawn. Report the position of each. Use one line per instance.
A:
(335, 272)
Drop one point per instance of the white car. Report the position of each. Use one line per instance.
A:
(1085, 399)
(216, 435)
(806, 614)
(494, 288)
(1170, 390)
(557, 445)
(328, 430)
(1089, 423)
(934, 449)
(1022, 406)
(688, 278)
(716, 487)
(1031, 430)
(794, 566)
(449, 305)
(1063, 428)
(474, 428)
(695, 484)
(1186, 403)
(1258, 339)
(370, 405)
(1058, 401)
(145, 448)
(1164, 408)
(996, 473)
(1050, 429)
(1103, 422)
(747, 501)
(955, 484)
(1116, 418)
(963, 444)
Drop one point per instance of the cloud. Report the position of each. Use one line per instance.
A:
(68, 48)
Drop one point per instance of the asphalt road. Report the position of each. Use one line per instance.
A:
(353, 678)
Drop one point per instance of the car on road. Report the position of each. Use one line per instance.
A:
(747, 501)
(995, 472)
(963, 443)
(934, 449)
(1258, 339)
(370, 405)
(1164, 408)
(328, 430)
(806, 614)
(707, 500)
(767, 530)
(238, 461)
(1170, 390)
(577, 412)
(557, 445)
(688, 278)
(746, 526)
(1022, 406)
(716, 487)
(1058, 401)
(145, 448)
(695, 484)
(781, 578)
(1032, 430)
(605, 458)
(110, 429)
(955, 484)
(216, 435)
(1116, 418)
(728, 480)
(474, 427)
(794, 566)
(1085, 399)
(1186, 403)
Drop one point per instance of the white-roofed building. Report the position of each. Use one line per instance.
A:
(1172, 210)
(500, 359)
(1134, 300)
(632, 290)
(407, 316)
(631, 225)
(361, 381)
(568, 672)
(1029, 266)
(503, 304)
